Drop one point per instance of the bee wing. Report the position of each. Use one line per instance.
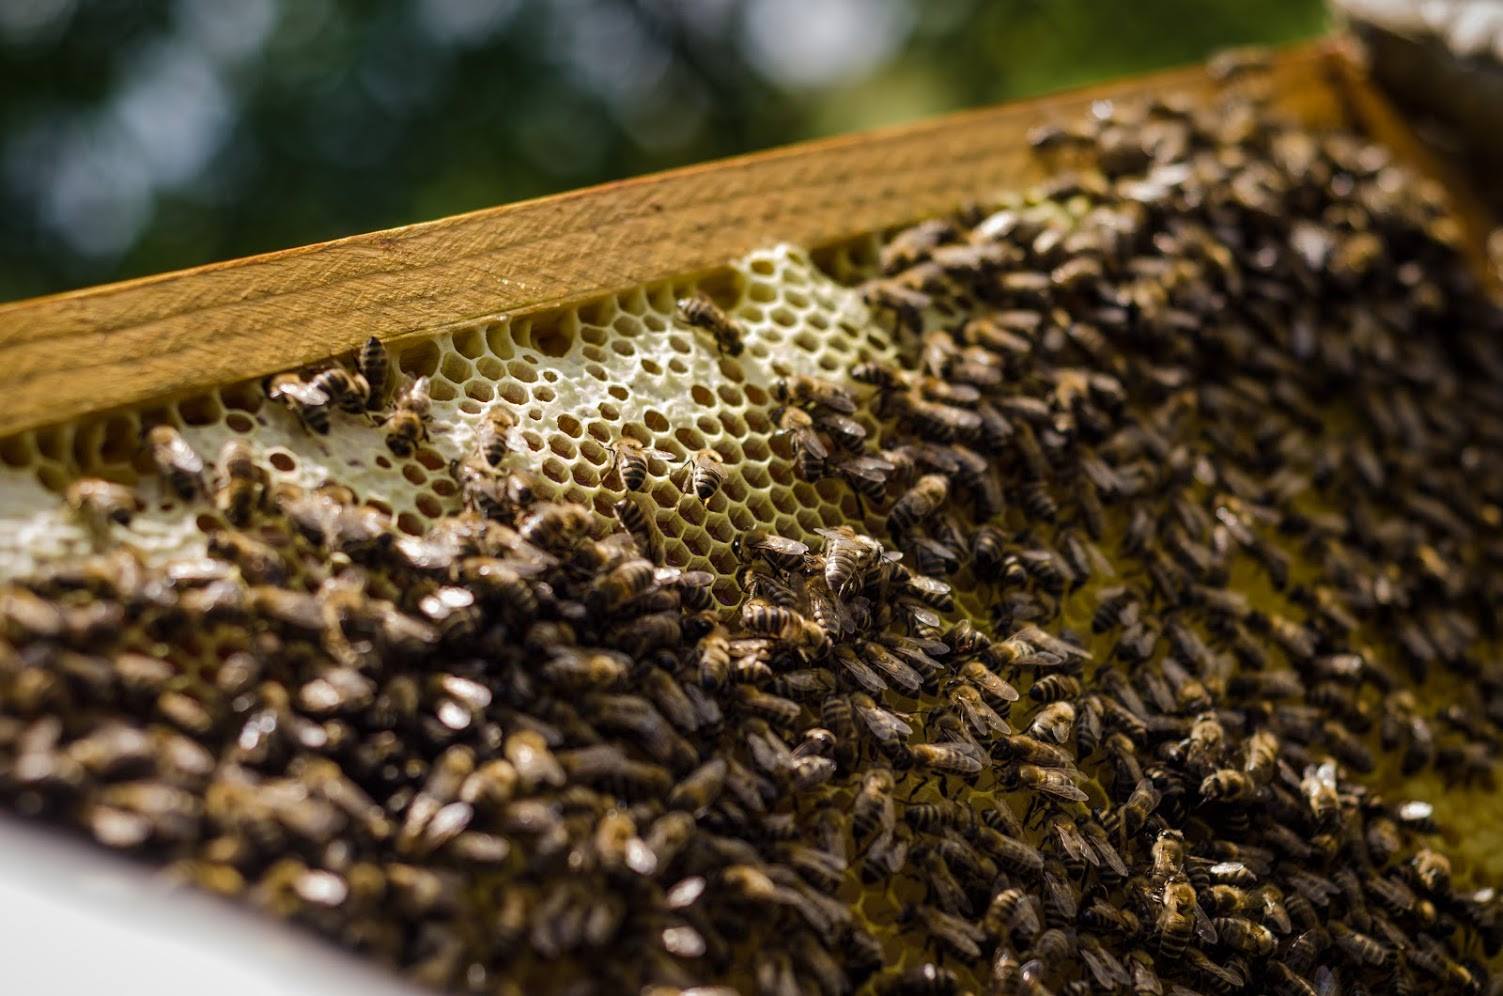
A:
(1037, 638)
(844, 424)
(964, 750)
(1073, 843)
(305, 394)
(1276, 915)
(923, 584)
(812, 443)
(897, 673)
(982, 717)
(822, 597)
(1039, 661)
(180, 452)
(784, 546)
(861, 672)
(416, 392)
(1107, 971)
(1058, 784)
(768, 754)
(1002, 688)
(861, 469)
(923, 615)
(837, 401)
(1109, 855)
(1100, 565)
(885, 726)
(1204, 928)
(922, 646)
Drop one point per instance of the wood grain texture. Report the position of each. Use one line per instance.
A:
(106, 347)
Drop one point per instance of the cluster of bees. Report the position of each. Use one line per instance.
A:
(313, 395)
(1182, 504)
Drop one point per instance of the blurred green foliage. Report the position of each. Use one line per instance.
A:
(144, 136)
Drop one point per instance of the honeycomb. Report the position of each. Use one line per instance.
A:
(576, 380)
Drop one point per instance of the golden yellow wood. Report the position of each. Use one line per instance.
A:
(104, 347)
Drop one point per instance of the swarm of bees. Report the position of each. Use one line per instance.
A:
(1181, 497)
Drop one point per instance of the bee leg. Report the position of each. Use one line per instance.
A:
(685, 471)
(1035, 810)
(654, 543)
(860, 502)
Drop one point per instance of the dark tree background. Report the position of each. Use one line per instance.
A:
(145, 135)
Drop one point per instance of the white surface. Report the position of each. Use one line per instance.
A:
(76, 921)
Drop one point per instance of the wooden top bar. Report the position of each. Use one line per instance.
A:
(105, 347)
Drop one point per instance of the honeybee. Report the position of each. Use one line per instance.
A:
(632, 462)
(701, 312)
(847, 555)
(814, 392)
(1054, 688)
(766, 618)
(556, 525)
(1262, 756)
(783, 554)
(374, 365)
(873, 810)
(102, 503)
(699, 789)
(307, 402)
(1012, 913)
(707, 472)
(886, 377)
(176, 460)
(1433, 870)
(1053, 722)
(1319, 788)
(886, 726)
(1246, 936)
(844, 431)
(919, 503)
(490, 436)
(773, 708)
(1228, 785)
(407, 425)
(866, 474)
(241, 482)
(1053, 782)
(1176, 917)
(997, 692)
(258, 562)
(635, 521)
(623, 583)
(906, 303)
(914, 244)
(983, 720)
(937, 421)
(810, 453)
(959, 935)
(1358, 946)
(344, 388)
(895, 673)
